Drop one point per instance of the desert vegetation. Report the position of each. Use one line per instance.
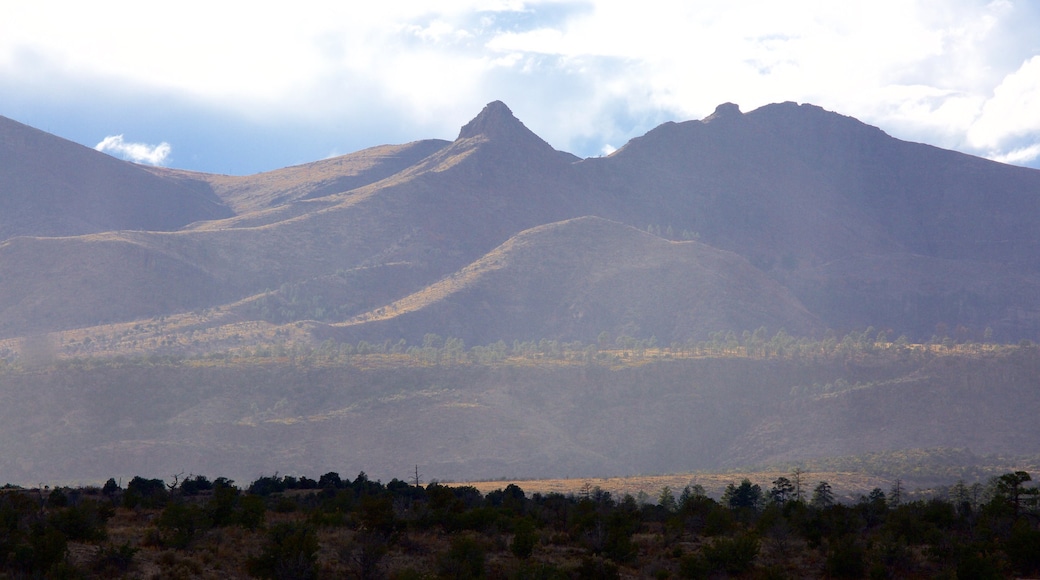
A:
(332, 527)
(119, 346)
(931, 412)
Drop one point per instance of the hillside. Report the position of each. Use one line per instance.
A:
(578, 278)
(857, 228)
(492, 306)
(528, 411)
(52, 187)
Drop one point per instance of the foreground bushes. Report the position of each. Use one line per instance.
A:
(288, 527)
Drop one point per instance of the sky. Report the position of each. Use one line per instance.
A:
(242, 87)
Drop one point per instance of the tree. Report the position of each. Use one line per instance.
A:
(746, 495)
(330, 480)
(1010, 489)
(796, 474)
(822, 495)
(689, 493)
(111, 487)
(895, 496)
(667, 500)
(782, 490)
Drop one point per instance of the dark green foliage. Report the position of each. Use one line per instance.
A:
(330, 480)
(366, 552)
(1023, 548)
(41, 549)
(822, 495)
(147, 493)
(291, 552)
(82, 522)
(782, 490)
(734, 555)
(846, 559)
(250, 512)
(57, 498)
(376, 514)
(111, 487)
(220, 510)
(457, 533)
(746, 495)
(693, 566)
(195, 485)
(180, 523)
(511, 498)
(465, 559)
(525, 537)
(111, 561)
(975, 564)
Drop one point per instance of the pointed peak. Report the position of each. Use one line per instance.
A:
(724, 111)
(495, 119)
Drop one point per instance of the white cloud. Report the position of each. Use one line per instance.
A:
(136, 152)
(949, 72)
(1014, 110)
(1020, 156)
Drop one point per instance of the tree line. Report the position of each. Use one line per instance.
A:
(606, 349)
(299, 527)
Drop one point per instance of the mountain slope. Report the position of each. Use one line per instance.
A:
(575, 279)
(438, 215)
(252, 193)
(861, 228)
(522, 418)
(53, 187)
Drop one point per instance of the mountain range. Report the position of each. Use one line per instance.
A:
(788, 216)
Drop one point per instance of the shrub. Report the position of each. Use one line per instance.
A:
(465, 559)
(734, 555)
(291, 551)
(846, 559)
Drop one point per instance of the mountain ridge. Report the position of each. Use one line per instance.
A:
(53, 187)
(709, 236)
(792, 189)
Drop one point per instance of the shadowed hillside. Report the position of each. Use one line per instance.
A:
(53, 187)
(578, 278)
(856, 227)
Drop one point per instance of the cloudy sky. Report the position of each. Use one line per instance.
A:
(241, 87)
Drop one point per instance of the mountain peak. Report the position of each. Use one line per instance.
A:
(724, 111)
(496, 119)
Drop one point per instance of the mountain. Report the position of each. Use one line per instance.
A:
(581, 277)
(52, 187)
(729, 228)
(842, 224)
(311, 180)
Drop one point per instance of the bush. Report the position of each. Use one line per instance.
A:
(148, 493)
(291, 551)
(732, 555)
(465, 559)
(846, 559)
(180, 523)
(84, 522)
(524, 539)
(110, 561)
